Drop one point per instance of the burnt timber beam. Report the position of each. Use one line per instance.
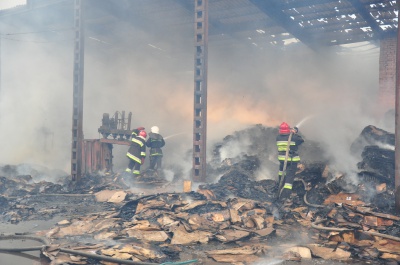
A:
(200, 90)
(397, 120)
(77, 102)
(367, 17)
(274, 10)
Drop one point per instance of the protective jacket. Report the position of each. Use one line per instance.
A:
(282, 144)
(135, 133)
(155, 142)
(137, 150)
(292, 161)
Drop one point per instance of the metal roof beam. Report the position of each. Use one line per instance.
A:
(346, 39)
(212, 23)
(315, 15)
(124, 11)
(299, 4)
(218, 28)
(274, 9)
(367, 17)
(335, 26)
(247, 26)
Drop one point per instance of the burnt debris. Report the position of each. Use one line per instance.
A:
(235, 218)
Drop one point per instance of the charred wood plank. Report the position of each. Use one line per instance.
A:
(371, 135)
(378, 163)
(364, 211)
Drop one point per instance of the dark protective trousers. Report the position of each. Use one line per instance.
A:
(291, 168)
(133, 167)
(155, 162)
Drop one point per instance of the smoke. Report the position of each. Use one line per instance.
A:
(235, 149)
(267, 172)
(130, 68)
(337, 131)
(169, 175)
(386, 146)
(4, 4)
(36, 172)
(331, 96)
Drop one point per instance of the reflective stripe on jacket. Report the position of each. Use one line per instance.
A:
(155, 142)
(137, 150)
(282, 145)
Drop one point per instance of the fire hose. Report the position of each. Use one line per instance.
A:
(120, 261)
(305, 195)
(24, 237)
(282, 180)
(74, 252)
(336, 229)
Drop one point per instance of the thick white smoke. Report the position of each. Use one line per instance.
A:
(151, 75)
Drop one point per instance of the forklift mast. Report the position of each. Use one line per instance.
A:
(97, 153)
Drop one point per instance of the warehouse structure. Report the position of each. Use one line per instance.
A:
(276, 23)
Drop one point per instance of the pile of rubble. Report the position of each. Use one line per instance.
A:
(235, 219)
(160, 227)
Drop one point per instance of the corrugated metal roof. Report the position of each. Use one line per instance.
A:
(273, 22)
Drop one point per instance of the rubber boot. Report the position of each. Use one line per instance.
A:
(284, 200)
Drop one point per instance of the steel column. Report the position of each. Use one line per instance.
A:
(397, 119)
(77, 112)
(200, 90)
(1, 59)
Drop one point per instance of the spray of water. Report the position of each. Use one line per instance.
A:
(304, 120)
(173, 135)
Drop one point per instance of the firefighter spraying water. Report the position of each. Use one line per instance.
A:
(155, 143)
(287, 141)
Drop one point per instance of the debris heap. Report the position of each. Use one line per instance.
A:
(236, 218)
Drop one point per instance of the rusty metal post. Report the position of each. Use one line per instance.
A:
(123, 120)
(77, 112)
(397, 119)
(129, 121)
(97, 156)
(200, 90)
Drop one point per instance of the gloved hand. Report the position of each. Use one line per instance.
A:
(295, 130)
(142, 160)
